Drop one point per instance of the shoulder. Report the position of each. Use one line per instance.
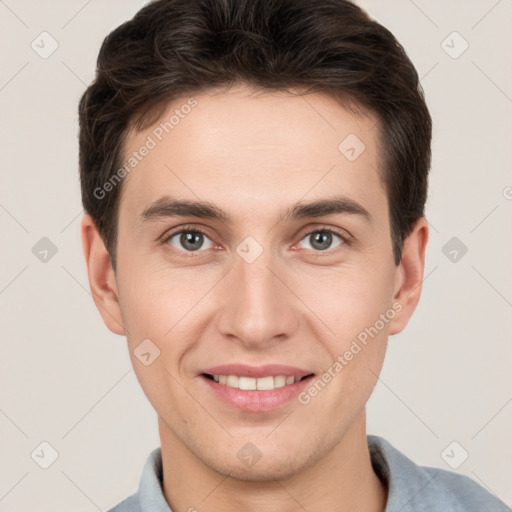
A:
(414, 488)
(461, 492)
(130, 504)
(149, 496)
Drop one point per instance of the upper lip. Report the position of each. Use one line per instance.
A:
(243, 370)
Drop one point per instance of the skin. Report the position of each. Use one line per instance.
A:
(254, 155)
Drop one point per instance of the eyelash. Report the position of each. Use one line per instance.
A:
(194, 229)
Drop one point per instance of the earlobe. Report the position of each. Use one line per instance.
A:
(102, 279)
(409, 277)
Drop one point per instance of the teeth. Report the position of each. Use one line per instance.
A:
(250, 383)
(232, 381)
(246, 383)
(279, 381)
(265, 383)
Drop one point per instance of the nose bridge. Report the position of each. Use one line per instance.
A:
(257, 306)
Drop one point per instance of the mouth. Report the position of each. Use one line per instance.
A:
(266, 383)
(255, 389)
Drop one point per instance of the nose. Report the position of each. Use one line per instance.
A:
(258, 307)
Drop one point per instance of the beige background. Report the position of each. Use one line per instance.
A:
(68, 381)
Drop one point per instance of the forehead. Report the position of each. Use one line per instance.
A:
(249, 151)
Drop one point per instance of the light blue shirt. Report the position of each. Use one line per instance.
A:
(411, 488)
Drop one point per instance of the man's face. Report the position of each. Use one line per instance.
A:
(260, 287)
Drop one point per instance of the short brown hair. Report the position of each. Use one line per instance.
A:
(175, 47)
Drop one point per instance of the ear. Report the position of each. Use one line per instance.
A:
(102, 278)
(409, 276)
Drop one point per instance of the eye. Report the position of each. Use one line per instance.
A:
(190, 240)
(322, 239)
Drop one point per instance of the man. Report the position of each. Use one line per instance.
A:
(254, 174)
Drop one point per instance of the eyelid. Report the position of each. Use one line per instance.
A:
(343, 234)
(164, 239)
(346, 240)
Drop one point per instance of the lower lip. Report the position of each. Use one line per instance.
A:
(256, 400)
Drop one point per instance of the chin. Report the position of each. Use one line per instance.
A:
(275, 466)
(261, 471)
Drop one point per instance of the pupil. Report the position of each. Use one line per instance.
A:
(191, 240)
(324, 240)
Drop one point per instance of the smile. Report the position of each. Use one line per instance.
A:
(266, 383)
(255, 388)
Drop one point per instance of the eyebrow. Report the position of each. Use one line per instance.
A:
(167, 206)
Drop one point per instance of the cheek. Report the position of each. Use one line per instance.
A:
(360, 315)
(156, 309)
(355, 302)
(171, 308)
(155, 298)
(348, 298)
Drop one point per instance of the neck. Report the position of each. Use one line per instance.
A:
(342, 481)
